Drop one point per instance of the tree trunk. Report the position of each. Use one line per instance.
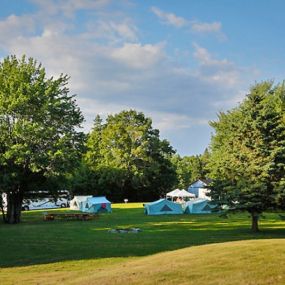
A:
(2, 199)
(3, 213)
(254, 222)
(14, 207)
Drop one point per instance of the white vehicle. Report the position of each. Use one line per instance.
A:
(41, 200)
(44, 200)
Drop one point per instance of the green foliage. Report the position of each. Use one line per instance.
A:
(38, 126)
(128, 159)
(247, 158)
(189, 168)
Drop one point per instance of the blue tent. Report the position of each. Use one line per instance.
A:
(162, 207)
(199, 206)
(96, 205)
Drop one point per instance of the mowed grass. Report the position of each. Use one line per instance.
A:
(258, 262)
(69, 252)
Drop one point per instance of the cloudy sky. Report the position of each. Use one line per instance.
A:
(180, 62)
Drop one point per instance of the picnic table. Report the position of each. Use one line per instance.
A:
(69, 216)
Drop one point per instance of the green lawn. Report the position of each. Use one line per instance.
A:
(59, 245)
(35, 241)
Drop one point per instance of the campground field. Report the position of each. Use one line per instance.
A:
(179, 249)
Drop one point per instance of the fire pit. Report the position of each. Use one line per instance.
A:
(125, 230)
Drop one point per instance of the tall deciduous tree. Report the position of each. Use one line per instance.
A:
(247, 157)
(39, 123)
(129, 158)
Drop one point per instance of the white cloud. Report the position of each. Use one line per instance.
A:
(69, 7)
(194, 26)
(204, 57)
(138, 55)
(173, 121)
(206, 27)
(16, 26)
(170, 18)
(214, 28)
(114, 31)
(125, 30)
(214, 70)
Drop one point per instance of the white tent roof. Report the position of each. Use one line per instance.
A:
(81, 198)
(173, 193)
(180, 193)
(184, 193)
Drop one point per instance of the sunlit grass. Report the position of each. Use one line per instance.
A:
(251, 262)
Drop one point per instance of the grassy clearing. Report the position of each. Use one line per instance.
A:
(35, 251)
(259, 262)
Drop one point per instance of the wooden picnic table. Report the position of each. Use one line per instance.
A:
(69, 216)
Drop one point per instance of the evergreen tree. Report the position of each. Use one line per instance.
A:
(247, 158)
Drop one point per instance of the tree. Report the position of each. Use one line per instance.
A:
(189, 168)
(129, 158)
(39, 124)
(247, 160)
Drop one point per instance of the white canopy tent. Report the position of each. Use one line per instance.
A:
(173, 193)
(186, 194)
(180, 194)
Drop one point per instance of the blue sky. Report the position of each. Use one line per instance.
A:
(180, 62)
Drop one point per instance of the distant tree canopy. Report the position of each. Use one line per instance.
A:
(126, 158)
(38, 127)
(247, 160)
(189, 168)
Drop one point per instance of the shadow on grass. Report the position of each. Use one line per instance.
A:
(37, 242)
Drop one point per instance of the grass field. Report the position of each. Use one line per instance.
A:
(38, 252)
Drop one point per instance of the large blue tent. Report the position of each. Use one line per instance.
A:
(163, 207)
(199, 206)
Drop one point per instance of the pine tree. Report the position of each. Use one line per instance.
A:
(247, 158)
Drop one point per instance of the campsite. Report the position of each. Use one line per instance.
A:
(142, 142)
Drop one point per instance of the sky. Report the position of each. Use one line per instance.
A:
(180, 62)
